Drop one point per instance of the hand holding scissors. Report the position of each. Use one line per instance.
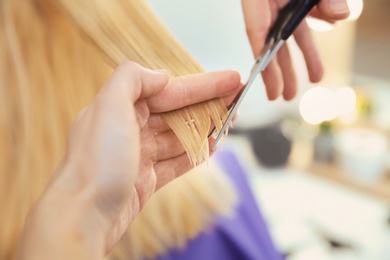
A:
(288, 20)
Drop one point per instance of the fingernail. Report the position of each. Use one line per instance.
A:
(338, 6)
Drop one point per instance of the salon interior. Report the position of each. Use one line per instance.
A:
(319, 166)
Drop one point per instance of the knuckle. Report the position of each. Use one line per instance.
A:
(129, 66)
(129, 74)
(130, 70)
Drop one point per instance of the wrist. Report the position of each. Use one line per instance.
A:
(64, 223)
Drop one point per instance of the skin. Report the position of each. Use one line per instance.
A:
(279, 77)
(115, 161)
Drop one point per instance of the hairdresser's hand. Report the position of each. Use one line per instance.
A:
(115, 161)
(279, 77)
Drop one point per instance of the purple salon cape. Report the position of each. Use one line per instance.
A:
(243, 236)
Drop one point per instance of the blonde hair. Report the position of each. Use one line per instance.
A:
(56, 54)
(153, 46)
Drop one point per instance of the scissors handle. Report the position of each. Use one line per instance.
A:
(289, 17)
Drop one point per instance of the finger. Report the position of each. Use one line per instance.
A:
(211, 143)
(334, 9)
(316, 13)
(282, 3)
(168, 146)
(273, 80)
(236, 115)
(191, 89)
(312, 58)
(157, 123)
(132, 80)
(170, 169)
(273, 75)
(229, 98)
(289, 78)
(275, 6)
(257, 17)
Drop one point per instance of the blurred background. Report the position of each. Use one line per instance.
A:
(319, 166)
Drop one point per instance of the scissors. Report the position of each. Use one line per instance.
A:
(289, 18)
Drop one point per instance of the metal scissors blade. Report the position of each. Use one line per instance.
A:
(260, 64)
(288, 19)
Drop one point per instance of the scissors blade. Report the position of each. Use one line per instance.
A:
(288, 19)
(260, 64)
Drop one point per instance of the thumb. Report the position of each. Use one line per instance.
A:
(135, 81)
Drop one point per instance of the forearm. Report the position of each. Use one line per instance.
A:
(63, 226)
